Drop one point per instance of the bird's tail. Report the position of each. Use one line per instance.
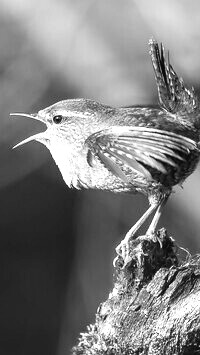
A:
(173, 95)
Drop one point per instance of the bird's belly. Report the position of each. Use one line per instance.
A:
(98, 178)
(101, 178)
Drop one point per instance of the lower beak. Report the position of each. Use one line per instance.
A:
(40, 137)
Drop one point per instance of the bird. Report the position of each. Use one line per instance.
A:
(145, 149)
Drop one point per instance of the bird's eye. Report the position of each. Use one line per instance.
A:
(57, 119)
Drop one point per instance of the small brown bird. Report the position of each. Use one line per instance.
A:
(134, 149)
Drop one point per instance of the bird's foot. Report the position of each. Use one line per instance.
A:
(129, 247)
(141, 257)
(155, 237)
(125, 251)
(123, 258)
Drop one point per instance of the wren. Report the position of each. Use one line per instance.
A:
(134, 149)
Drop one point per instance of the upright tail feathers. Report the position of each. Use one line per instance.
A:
(173, 95)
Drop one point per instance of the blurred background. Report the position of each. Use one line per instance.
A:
(57, 244)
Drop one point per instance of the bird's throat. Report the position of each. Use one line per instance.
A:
(71, 162)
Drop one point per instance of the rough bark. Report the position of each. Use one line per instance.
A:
(154, 307)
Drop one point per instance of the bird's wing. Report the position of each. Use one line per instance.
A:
(173, 95)
(139, 149)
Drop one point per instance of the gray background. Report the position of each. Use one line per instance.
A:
(57, 244)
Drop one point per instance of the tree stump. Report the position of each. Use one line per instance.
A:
(154, 307)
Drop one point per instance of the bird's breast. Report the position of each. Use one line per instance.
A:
(72, 163)
(77, 173)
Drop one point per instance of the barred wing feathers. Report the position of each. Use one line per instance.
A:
(139, 149)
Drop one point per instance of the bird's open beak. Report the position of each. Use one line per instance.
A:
(40, 137)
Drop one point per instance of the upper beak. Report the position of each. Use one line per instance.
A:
(39, 136)
(34, 116)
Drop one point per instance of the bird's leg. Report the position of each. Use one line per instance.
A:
(139, 223)
(123, 247)
(155, 220)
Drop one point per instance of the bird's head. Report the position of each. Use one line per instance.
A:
(68, 122)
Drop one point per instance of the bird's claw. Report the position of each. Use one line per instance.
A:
(123, 253)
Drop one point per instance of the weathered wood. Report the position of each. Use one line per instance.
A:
(154, 307)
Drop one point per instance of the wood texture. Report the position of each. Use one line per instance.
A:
(154, 307)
